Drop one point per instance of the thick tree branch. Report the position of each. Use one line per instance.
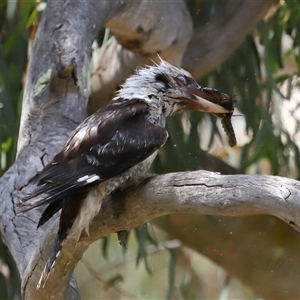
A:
(198, 192)
(212, 44)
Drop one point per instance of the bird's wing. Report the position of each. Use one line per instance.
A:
(105, 145)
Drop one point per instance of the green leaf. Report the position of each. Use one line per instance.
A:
(143, 236)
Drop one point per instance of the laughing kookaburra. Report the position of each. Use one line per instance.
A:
(111, 146)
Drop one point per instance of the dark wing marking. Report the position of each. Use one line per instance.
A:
(49, 212)
(108, 143)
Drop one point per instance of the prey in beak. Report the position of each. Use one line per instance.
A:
(212, 101)
(208, 100)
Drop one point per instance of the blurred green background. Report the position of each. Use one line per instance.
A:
(263, 74)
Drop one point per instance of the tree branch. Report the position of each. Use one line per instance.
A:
(198, 192)
(54, 103)
(212, 44)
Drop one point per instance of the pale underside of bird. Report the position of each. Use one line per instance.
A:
(113, 145)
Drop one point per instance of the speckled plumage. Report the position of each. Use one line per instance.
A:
(116, 143)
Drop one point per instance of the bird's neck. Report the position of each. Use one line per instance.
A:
(156, 111)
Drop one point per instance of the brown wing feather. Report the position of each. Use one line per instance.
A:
(108, 143)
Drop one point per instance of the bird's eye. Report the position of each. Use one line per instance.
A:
(182, 79)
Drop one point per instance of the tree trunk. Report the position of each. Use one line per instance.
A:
(54, 103)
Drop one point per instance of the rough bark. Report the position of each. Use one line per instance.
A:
(54, 103)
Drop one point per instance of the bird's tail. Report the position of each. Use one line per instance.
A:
(50, 263)
(69, 212)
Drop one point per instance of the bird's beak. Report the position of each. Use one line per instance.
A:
(205, 100)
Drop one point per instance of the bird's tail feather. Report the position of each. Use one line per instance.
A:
(50, 263)
(49, 212)
(48, 193)
(70, 210)
(43, 195)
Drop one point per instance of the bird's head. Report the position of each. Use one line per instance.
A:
(171, 87)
